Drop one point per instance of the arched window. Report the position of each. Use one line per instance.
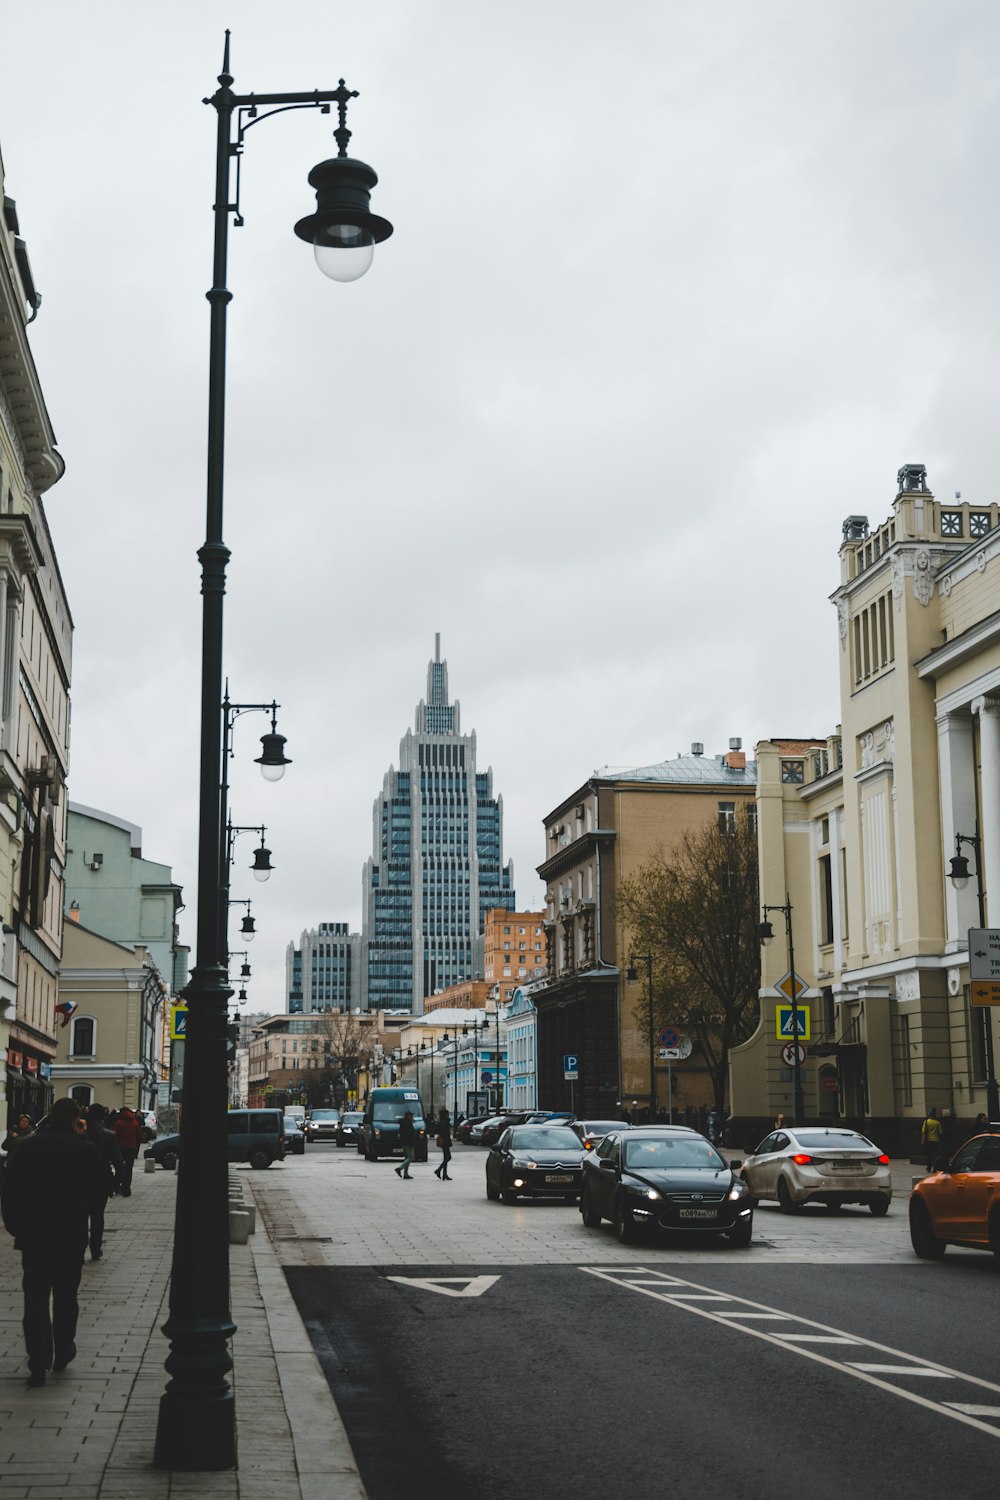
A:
(83, 1094)
(84, 1037)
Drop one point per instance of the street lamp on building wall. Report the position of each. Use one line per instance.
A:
(196, 1428)
(631, 975)
(958, 874)
(766, 934)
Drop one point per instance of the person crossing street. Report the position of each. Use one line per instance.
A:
(408, 1141)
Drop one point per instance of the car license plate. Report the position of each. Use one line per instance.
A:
(846, 1166)
(697, 1213)
(558, 1177)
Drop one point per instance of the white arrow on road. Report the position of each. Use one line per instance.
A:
(449, 1286)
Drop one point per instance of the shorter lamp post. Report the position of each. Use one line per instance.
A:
(455, 1043)
(478, 1027)
(958, 874)
(631, 976)
(766, 933)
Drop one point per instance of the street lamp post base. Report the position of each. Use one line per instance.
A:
(195, 1435)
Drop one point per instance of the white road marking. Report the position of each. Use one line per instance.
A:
(822, 1338)
(974, 1411)
(869, 1375)
(739, 1312)
(449, 1286)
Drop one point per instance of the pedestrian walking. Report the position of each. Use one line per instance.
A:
(106, 1143)
(128, 1132)
(52, 1182)
(930, 1136)
(408, 1141)
(443, 1139)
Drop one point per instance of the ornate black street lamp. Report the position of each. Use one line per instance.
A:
(958, 874)
(631, 975)
(196, 1429)
(766, 933)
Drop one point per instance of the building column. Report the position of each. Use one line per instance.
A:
(957, 774)
(989, 850)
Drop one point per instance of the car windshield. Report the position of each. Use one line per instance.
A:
(600, 1127)
(353, 1119)
(834, 1140)
(291, 1122)
(326, 1114)
(544, 1138)
(666, 1154)
(395, 1109)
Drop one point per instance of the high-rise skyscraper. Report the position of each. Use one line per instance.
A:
(437, 859)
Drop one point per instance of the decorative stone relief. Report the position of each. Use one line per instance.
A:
(908, 985)
(981, 561)
(896, 564)
(878, 746)
(923, 582)
(954, 981)
(843, 619)
(944, 587)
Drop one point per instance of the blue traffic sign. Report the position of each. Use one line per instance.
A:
(571, 1066)
(670, 1037)
(486, 1076)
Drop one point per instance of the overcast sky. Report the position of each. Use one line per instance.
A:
(673, 289)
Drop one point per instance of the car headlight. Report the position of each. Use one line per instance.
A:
(521, 1166)
(738, 1190)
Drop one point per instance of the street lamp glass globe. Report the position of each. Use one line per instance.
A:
(272, 773)
(343, 251)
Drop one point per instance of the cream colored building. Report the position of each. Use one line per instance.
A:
(35, 660)
(110, 1051)
(862, 843)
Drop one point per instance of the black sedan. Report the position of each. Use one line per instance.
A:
(535, 1161)
(295, 1140)
(664, 1177)
(349, 1127)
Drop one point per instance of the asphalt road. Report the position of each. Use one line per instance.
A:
(826, 1361)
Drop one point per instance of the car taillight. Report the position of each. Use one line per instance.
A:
(801, 1160)
(883, 1161)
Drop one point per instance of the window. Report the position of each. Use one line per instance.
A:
(84, 1036)
(979, 522)
(905, 1060)
(826, 898)
(792, 772)
(951, 523)
(727, 817)
(83, 1094)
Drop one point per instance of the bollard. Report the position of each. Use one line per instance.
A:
(149, 1165)
(239, 1226)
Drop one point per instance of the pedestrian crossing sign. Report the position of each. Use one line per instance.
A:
(783, 1023)
(178, 1022)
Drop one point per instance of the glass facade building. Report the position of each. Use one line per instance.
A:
(324, 972)
(437, 860)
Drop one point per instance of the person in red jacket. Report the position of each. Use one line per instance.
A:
(128, 1133)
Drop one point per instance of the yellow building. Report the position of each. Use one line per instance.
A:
(513, 947)
(862, 843)
(605, 831)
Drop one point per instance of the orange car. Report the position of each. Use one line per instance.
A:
(959, 1205)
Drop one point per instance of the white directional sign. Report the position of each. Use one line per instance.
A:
(678, 1053)
(449, 1286)
(984, 953)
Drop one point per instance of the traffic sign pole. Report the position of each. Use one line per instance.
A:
(797, 1109)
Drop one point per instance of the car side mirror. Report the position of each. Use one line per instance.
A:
(736, 1164)
(607, 1164)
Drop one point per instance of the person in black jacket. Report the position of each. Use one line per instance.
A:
(107, 1144)
(444, 1141)
(54, 1180)
(408, 1141)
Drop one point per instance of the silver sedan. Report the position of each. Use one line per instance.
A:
(814, 1164)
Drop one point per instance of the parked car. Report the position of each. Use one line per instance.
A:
(592, 1132)
(322, 1125)
(295, 1140)
(476, 1133)
(550, 1117)
(960, 1203)
(816, 1164)
(380, 1126)
(147, 1120)
(255, 1135)
(492, 1130)
(349, 1127)
(464, 1129)
(535, 1161)
(664, 1177)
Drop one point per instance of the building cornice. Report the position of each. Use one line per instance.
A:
(568, 856)
(952, 653)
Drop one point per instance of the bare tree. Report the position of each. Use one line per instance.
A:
(695, 909)
(342, 1045)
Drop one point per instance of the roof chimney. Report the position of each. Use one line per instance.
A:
(736, 760)
(697, 748)
(736, 744)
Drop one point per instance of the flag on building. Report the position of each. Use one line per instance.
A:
(65, 1009)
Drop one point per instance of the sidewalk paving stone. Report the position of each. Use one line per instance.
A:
(89, 1433)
